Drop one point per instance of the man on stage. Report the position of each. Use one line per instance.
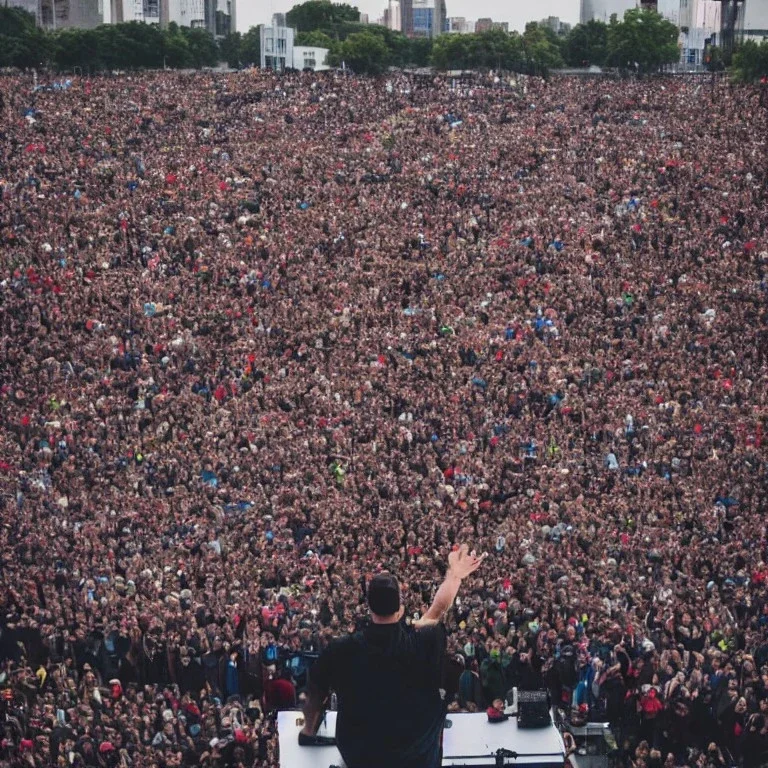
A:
(387, 678)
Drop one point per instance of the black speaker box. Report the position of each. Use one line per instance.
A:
(533, 709)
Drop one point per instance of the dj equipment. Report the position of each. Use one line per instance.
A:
(469, 741)
(533, 709)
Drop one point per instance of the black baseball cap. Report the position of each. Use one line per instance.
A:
(384, 594)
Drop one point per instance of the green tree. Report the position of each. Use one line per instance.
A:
(320, 14)
(587, 44)
(176, 50)
(146, 44)
(452, 52)
(541, 51)
(421, 51)
(750, 62)
(22, 43)
(203, 50)
(250, 47)
(494, 49)
(115, 48)
(713, 58)
(364, 53)
(77, 48)
(643, 40)
(315, 39)
(230, 48)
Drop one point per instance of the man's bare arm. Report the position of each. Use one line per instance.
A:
(461, 563)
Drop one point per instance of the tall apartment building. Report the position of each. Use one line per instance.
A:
(30, 6)
(428, 18)
(753, 24)
(699, 21)
(147, 11)
(217, 16)
(458, 25)
(58, 14)
(276, 46)
(406, 17)
(554, 23)
(602, 10)
(392, 18)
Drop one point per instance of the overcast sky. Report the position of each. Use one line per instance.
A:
(516, 12)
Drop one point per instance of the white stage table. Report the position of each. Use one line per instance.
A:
(470, 741)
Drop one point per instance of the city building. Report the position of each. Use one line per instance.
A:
(486, 25)
(279, 53)
(406, 17)
(185, 13)
(753, 22)
(310, 57)
(392, 18)
(428, 18)
(560, 28)
(220, 17)
(58, 14)
(147, 11)
(458, 25)
(30, 6)
(602, 10)
(669, 9)
(217, 16)
(277, 46)
(700, 21)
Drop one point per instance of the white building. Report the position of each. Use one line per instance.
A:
(458, 25)
(393, 16)
(147, 11)
(279, 53)
(698, 22)
(310, 57)
(754, 23)
(670, 10)
(560, 28)
(277, 46)
(187, 13)
(602, 10)
(30, 6)
(217, 16)
(58, 14)
(428, 18)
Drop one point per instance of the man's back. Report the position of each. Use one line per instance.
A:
(387, 679)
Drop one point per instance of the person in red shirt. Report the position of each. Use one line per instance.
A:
(650, 707)
(279, 691)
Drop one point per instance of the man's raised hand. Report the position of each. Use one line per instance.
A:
(462, 562)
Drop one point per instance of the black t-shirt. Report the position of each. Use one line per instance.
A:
(387, 680)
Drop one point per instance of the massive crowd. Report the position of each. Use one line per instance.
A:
(265, 336)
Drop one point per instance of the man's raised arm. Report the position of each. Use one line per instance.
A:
(461, 563)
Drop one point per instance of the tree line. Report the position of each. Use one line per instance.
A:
(641, 42)
(131, 45)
